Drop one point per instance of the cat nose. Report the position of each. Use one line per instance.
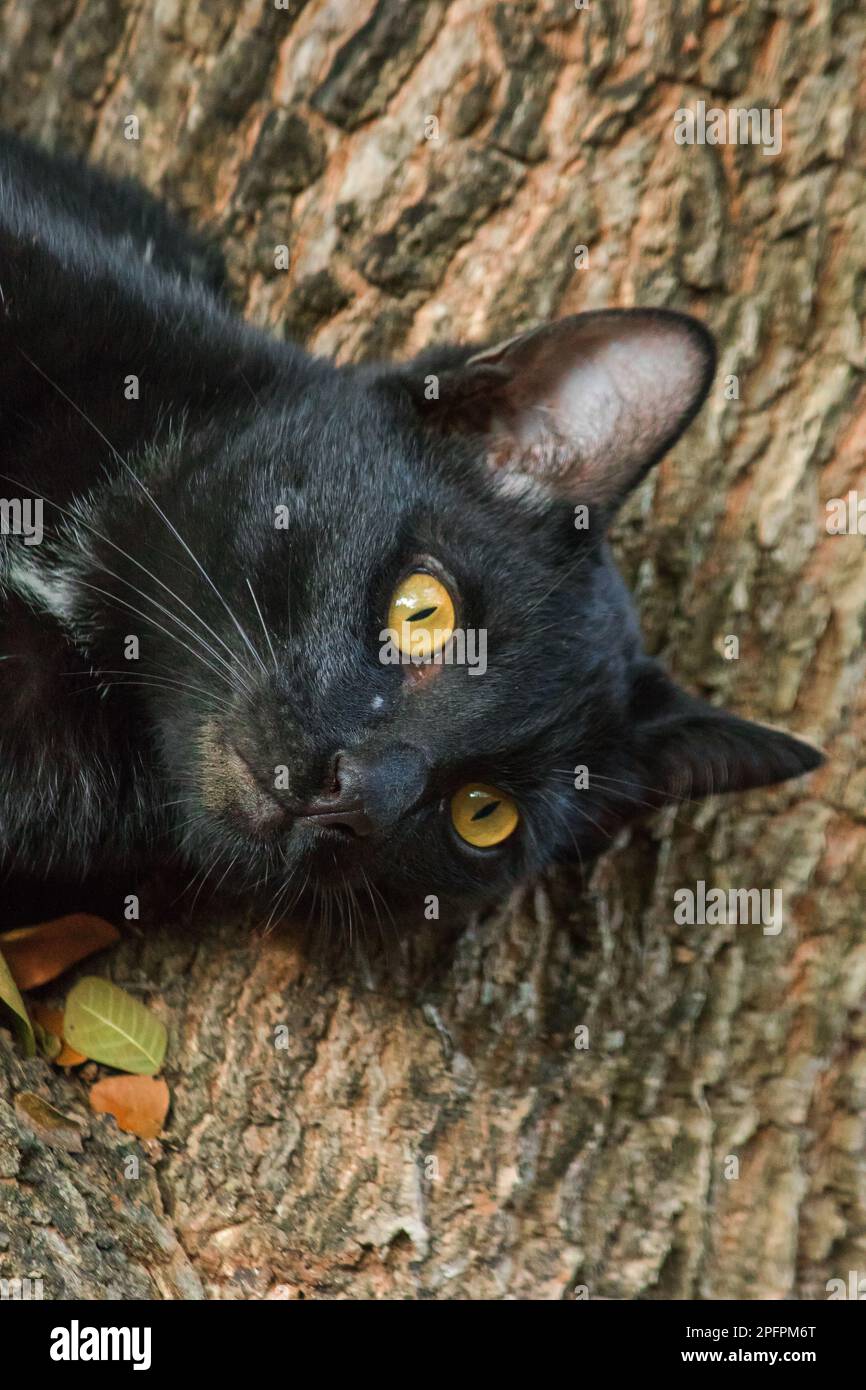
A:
(369, 790)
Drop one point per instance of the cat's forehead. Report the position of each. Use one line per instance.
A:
(341, 446)
(351, 486)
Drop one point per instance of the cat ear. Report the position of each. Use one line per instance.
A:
(582, 407)
(688, 749)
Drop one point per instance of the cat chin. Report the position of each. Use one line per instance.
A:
(290, 873)
(262, 862)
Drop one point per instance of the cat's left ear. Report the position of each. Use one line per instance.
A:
(583, 407)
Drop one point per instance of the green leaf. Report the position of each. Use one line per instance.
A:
(107, 1024)
(12, 1004)
(48, 1045)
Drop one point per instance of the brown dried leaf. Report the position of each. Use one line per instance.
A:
(138, 1103)
(55, 1129)
(38, 954)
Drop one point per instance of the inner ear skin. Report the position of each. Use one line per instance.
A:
(585, 405)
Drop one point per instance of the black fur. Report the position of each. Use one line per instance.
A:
(101, 758)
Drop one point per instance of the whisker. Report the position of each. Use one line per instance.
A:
(114, 598)
(77, 519)
(202, 695)
(122, 461)
(567, 573)
(264, 629)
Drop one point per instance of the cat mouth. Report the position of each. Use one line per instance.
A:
(351, 819)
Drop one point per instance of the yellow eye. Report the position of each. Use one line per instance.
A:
(482, 815)
(421, 615)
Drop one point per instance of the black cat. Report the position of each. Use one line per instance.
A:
(311, 626)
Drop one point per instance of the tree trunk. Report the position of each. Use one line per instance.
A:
(437, 1128)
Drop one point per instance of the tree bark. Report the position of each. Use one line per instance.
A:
(431, 1129)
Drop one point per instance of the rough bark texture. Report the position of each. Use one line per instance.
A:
(432, 1131)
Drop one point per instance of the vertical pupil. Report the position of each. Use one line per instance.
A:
(422, 614)
(486, 811)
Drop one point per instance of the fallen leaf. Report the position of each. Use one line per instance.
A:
(138, 1103)
(50, 1020)
(54, 1128)
(46, 1042)
(105, 1023)
(38, 954)
(13, 1005)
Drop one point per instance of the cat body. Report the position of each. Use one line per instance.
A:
(193, 652)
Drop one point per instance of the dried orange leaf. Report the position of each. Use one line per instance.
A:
(36, 955)
(138, 1103)
(51, 1022)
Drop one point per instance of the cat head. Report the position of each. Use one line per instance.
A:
(403, 658)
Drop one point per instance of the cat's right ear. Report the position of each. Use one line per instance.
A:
(581, 408)
(686, 749)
